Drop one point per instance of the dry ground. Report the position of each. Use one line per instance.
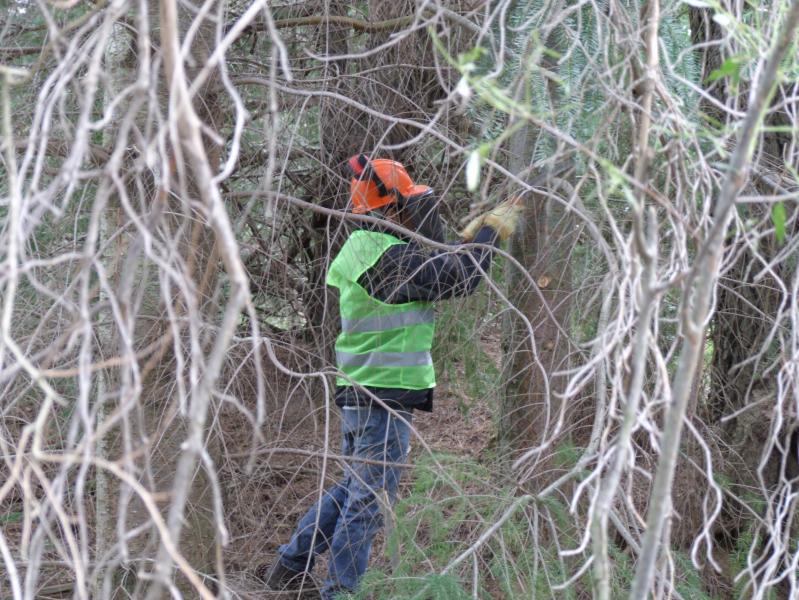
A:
(280, 490)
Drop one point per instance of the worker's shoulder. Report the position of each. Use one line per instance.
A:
(410, 257)
(365, 239)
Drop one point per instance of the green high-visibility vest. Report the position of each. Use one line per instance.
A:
(380, 345)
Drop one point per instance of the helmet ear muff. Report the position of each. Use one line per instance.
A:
(361, 169)
(369, 174)
(357, 164)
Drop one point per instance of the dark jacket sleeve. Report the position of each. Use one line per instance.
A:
(408, 272)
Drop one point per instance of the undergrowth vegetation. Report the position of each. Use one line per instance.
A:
(617, 404)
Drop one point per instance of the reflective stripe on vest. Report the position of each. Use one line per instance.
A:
(386, 322)
(384, 359)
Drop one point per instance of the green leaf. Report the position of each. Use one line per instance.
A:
(472, 55)
(778, 218)
(730, 68)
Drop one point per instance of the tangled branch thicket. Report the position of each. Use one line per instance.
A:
(173, 190)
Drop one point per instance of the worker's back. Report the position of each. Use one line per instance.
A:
(381, 345)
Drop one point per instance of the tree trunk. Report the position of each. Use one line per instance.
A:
(742, 322)
(530, 408)
(149, 428)
(537, 340)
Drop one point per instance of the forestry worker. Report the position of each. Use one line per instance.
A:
(387, 285)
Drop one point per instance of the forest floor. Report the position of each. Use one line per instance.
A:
(266, 504)
(290, 484)
(294, 484)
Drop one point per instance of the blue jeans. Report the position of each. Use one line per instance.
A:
(348, 515)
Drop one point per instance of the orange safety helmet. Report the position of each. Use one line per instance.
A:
(379, 182)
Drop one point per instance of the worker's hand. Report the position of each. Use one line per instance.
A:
(503, 218)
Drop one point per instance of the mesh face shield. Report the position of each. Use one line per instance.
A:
(420, 211)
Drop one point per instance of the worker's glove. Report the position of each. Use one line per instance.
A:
(503, 218)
